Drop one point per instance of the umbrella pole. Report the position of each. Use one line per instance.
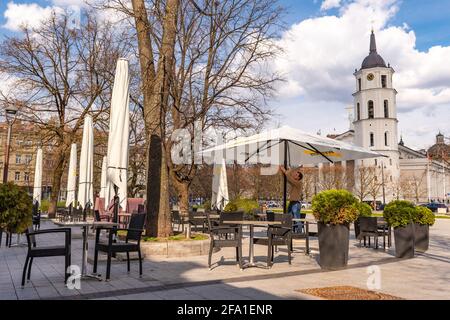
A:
(285, 178)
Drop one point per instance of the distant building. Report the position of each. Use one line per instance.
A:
(25, 140)
(404, 172)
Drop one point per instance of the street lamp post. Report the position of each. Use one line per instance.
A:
(382, 183)
(10, 113)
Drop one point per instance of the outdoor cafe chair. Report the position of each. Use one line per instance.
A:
(277, 235)
(176, 220)
(101, 217)
(368, 227)
(132, 243)
(35, 251)
(197, 222)
(224, 235)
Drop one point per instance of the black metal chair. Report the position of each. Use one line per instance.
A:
(368, 227)
(176, 220)
(47, 251)
(197, 222)
(134, 234)
(225, 235)
(277, 235)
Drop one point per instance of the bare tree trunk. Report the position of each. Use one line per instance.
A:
(56, 180)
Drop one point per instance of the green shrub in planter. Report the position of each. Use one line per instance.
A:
(335, 207)
(334, 210)
(423, 218)
(240, 204)
(364, 209)
(15, 208)
(399, 214)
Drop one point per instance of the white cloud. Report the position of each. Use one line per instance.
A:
(30, 14)
(330, 4)
(322, 53)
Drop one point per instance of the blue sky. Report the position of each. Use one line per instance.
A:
(429, 19)
(331, 37)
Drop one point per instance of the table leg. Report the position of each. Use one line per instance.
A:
(84, 274)
(251, 254)
(307, 237)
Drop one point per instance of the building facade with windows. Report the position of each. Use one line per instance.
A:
(403, 173)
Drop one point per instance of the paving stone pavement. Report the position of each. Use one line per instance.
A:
(427, 276)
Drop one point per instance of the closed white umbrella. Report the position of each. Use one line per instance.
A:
(220, 198)
(37, 189)
(85, 186)
(72, 177)
(119, 123)
(103, 178)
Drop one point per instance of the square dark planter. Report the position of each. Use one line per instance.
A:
(404, 241)
(421, 237)
(333, 246)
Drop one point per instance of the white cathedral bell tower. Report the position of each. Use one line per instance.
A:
(375, 116)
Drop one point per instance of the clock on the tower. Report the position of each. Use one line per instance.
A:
(370, 76)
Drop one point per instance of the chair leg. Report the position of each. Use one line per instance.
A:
(237, 254)
(289, 252)
(128, 261)
(239, 249)
(67, 264)
(140, 261)
(29, 268)
(95, 260)
(108, 266)
(25, 270)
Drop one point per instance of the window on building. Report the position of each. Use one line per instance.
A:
(17, 176)
(372, 139)
(26, 176)
(370, 109)
(386, 138)
(28, 158)
(383, 81)
(358, 111)
(386, 108)
(359, 84)
(18, 158)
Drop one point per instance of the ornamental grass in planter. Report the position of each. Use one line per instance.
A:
(423, 218)
(334, 210)
(399, 215)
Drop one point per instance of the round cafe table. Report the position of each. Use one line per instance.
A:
(252, 224)
(85, 226)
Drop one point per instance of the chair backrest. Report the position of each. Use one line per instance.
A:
(175, 215)
(231, 216)
(211, 223)
(368, 224)
(137, 221)
(272, 216)
(133, 204)
(141, 208)
(285, 227)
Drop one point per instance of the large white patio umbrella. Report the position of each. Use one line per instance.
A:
(119, 123)
(219, 199)
(103, 178)
(37, 188)
(288, 146)
(85, 186)
(72, 177)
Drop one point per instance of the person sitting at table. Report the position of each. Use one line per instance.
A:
(294, 178)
